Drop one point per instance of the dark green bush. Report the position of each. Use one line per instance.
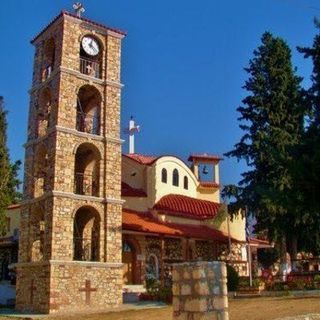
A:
(164, 294)
(233, 279)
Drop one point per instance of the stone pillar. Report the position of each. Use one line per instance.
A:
(200, 291)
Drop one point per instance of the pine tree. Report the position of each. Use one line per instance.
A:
(272, 120)
(310, 149)
(8, 172)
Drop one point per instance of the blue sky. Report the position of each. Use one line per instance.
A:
(182, 65)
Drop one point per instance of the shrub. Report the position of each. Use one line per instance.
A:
(279, 286)
(297, 284)
(233, 279)
(164, 294)
(316, 278)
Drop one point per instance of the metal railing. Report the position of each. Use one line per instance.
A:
(85, 249)
(86, 184)
(90, 68)
(88, 123)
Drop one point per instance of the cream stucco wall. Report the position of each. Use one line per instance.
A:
(237, 227)
(210, 194)
(134, 173)
(161, 189)
(14, 216)
(136, 203)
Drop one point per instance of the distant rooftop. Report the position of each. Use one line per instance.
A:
(204, 156)
(141, 158)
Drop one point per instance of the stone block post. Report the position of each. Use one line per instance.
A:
(200, 291)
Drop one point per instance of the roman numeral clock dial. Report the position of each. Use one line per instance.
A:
(90, 46)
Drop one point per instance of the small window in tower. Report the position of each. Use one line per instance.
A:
(175, 178)
(185, 182)
(164, 175)
(48, 59)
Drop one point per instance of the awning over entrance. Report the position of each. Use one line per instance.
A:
(145, 222)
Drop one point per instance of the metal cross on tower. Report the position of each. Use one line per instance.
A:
(131, 130)
(78, 8)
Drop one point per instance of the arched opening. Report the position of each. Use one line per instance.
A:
(87, 170)
(4, 268)
(164, 175)
(185, 182)
(37, 233)
(91, 56)
(43, 113)
(40, 171)
(88, 110)
(175, 178)
(86, 235)
(153, 270)
(48, 59)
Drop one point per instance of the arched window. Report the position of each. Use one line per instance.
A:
(37, 234)
(86, 235)
(48, 59)
(126, 247)
(185, 182)
(175, 178)
(87, 170)
(88, 110)
(164, 175)
(43, 113)
(41, 184)
(153, 267)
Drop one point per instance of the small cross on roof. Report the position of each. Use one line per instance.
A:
(78, 8)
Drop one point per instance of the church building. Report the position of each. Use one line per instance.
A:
(94, 222)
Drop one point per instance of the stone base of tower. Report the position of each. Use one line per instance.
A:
(60, 286)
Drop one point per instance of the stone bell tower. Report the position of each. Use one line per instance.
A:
(70, 241)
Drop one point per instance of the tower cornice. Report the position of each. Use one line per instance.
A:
(95, 25)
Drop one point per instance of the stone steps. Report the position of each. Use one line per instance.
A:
(131, 293)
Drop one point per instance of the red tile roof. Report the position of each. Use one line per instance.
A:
(128, 191)
(14, 206)
(204, 156)
(188, 207)
(141, 158)
(207, 184)
(259, 242)
(80, 18)
(146, 223)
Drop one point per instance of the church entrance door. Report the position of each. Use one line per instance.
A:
(128, 260)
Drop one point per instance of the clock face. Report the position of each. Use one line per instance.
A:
(90, 45)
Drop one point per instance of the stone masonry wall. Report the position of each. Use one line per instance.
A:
(60, 286)
(200, 291)
(85, 285)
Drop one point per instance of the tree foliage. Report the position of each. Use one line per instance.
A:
(8, 172)
(271, 117)
(310, 150)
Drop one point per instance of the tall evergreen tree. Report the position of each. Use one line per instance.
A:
(310, 149)
(272, 120)
(8, 172)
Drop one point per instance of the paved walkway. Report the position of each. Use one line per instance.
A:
(11, 313)
(304, 317)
